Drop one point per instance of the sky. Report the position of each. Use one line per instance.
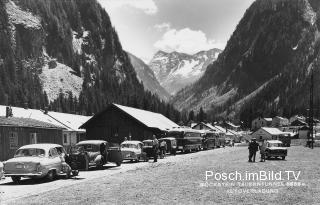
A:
(187, 26)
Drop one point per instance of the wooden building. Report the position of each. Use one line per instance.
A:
(267, 133)
(16, 132)
(278, 121)
(117, 122)
(71, 133)
(261, 122)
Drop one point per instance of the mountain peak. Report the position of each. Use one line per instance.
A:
(176, 70)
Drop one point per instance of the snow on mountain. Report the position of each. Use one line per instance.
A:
(176, 70)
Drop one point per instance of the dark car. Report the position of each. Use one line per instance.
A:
(148, 148)
(171, 144)
(276, 149)
(95, 153)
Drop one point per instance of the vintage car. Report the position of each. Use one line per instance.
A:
(95, 153)
(148, 148)
(133, 151)
(1, 170)
(276, 149)
(35, 161)
(171, 144)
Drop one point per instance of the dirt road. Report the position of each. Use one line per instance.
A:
(180, 179)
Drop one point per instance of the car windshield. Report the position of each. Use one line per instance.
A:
(275, 145)
(126, 145)
(148, 143)
(31, 152)
(88, 147)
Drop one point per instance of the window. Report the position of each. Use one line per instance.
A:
(13, 140)
(65, 139)
(53, 153)
(33, 138)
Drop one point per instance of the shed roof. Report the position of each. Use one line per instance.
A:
(147, 118)
(26, 122)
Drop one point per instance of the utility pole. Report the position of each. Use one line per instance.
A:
(310, 122)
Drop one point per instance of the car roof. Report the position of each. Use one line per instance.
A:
(95, 142)
(168, 138)
(147, 140)
(274, 141)
(131, 142)
(40, 146)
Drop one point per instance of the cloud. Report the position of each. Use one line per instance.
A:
(163, 27)
(186, 41)
(147, 6)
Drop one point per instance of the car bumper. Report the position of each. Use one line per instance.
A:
(38, 174)
(277, 155)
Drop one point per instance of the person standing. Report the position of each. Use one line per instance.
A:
(263, 151)
(163, 148)
(155, 148)
(253, 148)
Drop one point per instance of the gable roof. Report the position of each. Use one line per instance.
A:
(272, 130)
(147, 118)
(69, 121)
(26, 122)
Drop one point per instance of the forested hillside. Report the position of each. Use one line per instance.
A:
(66, 55)
(266, 66)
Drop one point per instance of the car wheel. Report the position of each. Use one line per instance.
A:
(118, 164)
(86, 166)
(68, 175)
(75, 173)
(16, 179)
(283, 158)
(51, 175)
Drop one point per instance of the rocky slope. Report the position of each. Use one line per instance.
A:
(147, 77)
(177, 70)
(66, 55)
(266, 65)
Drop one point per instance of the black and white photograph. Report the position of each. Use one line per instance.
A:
(159, 102)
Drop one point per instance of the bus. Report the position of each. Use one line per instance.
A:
(211, 140)
(187, 139)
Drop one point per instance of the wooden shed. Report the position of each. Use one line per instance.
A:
(117, 122)
(16, 132)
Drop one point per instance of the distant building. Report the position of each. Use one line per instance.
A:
(279, 121)
(231, 126)
(261, 122)
(298, 123)
(297, 117)
(16, 132)
(204, 126)
(267, 133)
(117, 122)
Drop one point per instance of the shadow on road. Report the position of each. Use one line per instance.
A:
(26, 181)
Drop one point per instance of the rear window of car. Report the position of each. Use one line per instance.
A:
(127, 145)
(89, 147)
(30, 152)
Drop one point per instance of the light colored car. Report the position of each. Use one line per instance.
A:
(276, 149)
(35, 161)
(133, 151)
(1, 170)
